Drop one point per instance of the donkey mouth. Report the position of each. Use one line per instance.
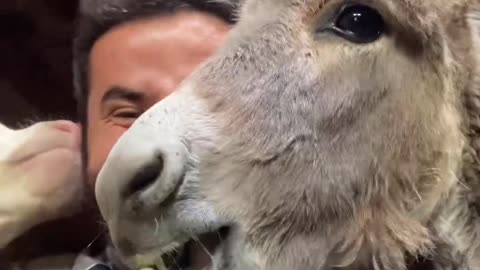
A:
(197, 253)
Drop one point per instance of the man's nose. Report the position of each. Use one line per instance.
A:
(140, 174)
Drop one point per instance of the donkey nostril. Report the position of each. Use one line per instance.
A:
(145, 177)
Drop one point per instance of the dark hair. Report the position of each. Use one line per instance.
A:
(96, 17)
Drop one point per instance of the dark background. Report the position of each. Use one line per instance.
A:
(36, 84)
(35, 60)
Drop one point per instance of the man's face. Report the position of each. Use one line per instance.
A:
(137, 64)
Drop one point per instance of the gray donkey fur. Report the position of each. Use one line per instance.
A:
(319, 152)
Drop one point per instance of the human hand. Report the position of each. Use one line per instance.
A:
(40, 176)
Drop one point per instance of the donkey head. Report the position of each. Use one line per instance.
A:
(323, 133)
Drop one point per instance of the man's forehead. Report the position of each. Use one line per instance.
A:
(118, 9)
(148, 34)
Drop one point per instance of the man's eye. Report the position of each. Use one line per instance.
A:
(126, 114)
(359, 24)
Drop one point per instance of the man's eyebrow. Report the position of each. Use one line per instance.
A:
(118, 92)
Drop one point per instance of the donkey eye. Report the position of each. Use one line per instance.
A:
(359, 24)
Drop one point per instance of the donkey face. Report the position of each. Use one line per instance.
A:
(324, 133)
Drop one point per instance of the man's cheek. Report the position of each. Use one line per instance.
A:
(99, 146)
(97, 154)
